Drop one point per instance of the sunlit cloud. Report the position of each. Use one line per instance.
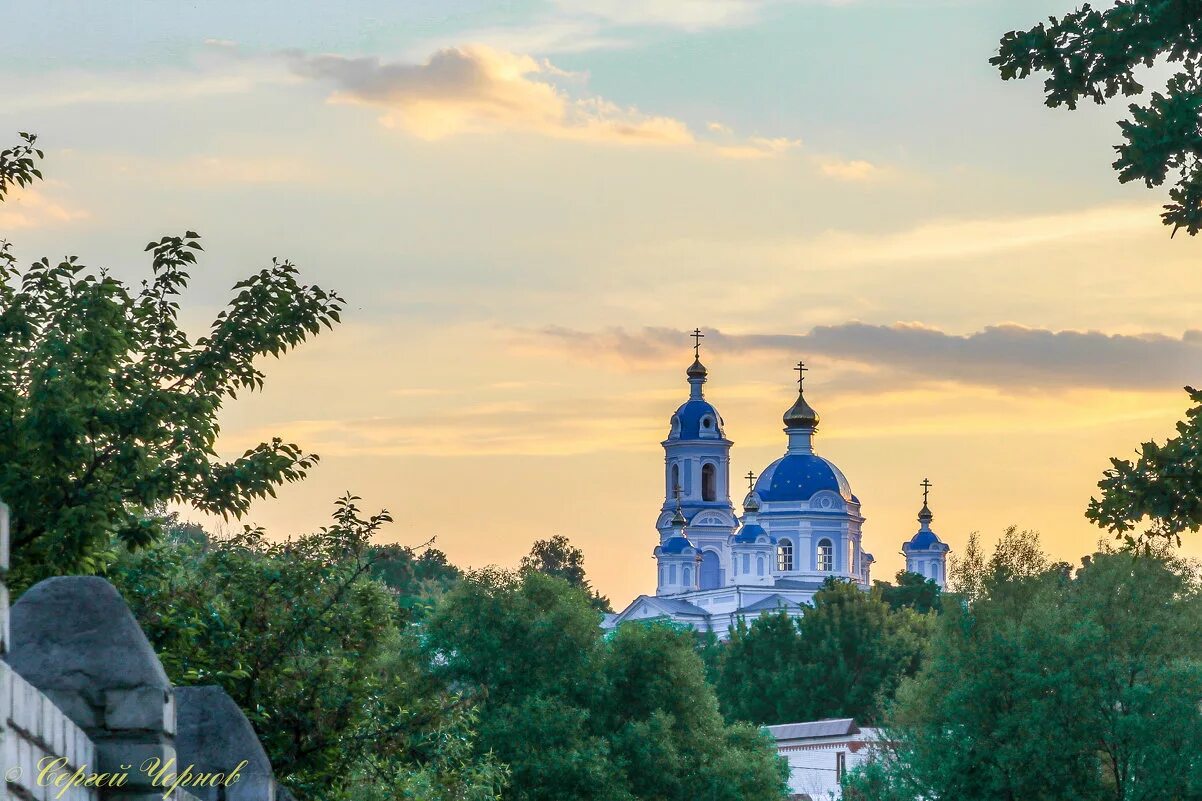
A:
(855, 170)
(475, 89)
(34, 208)
(1007, 357)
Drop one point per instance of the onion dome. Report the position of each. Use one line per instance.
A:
(924, 539)
(799, 476)
(696, 369)
(801, 414)
(676, 545)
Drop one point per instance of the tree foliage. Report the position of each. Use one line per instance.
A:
(109, 409)
(1050, 684)
(1093, 54)
(1163, 486)
(910, 591)
(575, 715)
(841, 659)
(559, 557)
(315, 652)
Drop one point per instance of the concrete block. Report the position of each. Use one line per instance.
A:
(214, 737)
(76, 707)
(112, 754)
(139, 708)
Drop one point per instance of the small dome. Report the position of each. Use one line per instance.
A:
(696, 419)
(696, 369)
(676, 545)
(924, 540)
(751, 503)
(801, 414)
(750, 532)
(799, 476)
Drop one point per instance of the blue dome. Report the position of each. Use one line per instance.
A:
(798, 476)
(924, 540)
(691, 420)
(750, 532)
(676, 545)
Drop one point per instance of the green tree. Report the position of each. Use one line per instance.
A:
(841, 659)
(1093, 54)
(109, 409)
(1054, 685)
(1162, 488)
(577, 715)
(418, 576)
(314, 651)
(559, 557)
(911, 591)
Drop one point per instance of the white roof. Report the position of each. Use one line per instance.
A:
(835, 727)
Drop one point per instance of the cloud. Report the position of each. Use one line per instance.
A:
(474, 89)
(1007, 357)
(479, 89)
(689, 15)
(967, 238)
(33, 208)
(849, 170)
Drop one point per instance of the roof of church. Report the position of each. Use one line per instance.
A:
(676, 545)
(836, 727)
(799, 476)
(689, 419)
(679, 607)
(771, 602)
(924, 540)
(750, 532)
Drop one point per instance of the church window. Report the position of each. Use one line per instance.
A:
(688, 577)
(672, 574)
(746, 563)
(759, 565)
(709, 482)
(675, 480)
(706, 422)
(826, 555)
(784, 556)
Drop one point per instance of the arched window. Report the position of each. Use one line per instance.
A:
(759, 565)
(688, 577)
(675, 481)
(671, 574)
(826, 555)
(784, 556)
(709, 483)
(746, 564)
(710, 576)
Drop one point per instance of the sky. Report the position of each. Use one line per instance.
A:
(528, 204)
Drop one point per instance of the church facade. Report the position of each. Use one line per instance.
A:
(801, 524)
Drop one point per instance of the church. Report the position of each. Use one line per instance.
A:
(801, 523)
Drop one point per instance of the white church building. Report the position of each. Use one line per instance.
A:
(801, 524)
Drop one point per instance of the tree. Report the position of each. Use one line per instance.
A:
(576, 715)
(1163, 486)
(841, 659)
(109, 409)
(418, 576)
(1055, 685)
(1094, 54)
(911, 591)
(315, 652)
(558, 557)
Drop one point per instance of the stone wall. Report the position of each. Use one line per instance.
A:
(81, 683)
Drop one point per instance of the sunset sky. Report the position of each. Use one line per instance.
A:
(528, 204)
